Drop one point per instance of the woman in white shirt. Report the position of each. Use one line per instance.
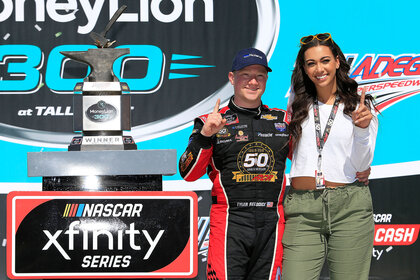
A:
(328, 212)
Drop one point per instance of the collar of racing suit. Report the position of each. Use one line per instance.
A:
(249, 111)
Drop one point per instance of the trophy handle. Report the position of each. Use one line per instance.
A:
(100, 40)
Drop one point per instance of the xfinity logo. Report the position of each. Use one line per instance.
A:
(132, 234)
(145, 11)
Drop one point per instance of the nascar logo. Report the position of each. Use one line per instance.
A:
(102, 210)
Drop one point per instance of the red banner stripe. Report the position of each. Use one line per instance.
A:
(386, 234)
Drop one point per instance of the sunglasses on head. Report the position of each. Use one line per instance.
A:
(320, 37)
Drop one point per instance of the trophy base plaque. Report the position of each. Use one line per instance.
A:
(101, 143)
(103, 183)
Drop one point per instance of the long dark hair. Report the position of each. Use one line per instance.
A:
(305, 91)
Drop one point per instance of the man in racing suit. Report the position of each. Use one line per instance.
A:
(243, 148)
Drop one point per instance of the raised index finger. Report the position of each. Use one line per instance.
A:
(362, 96)
(216, 107)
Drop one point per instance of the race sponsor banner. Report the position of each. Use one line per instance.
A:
(102, 234)
(397, 235)
(171, 56)
(396, 248)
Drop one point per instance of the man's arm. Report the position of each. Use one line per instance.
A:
(194, 161)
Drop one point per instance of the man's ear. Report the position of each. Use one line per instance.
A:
(231, 77)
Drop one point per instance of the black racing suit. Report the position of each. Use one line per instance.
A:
(245, 161)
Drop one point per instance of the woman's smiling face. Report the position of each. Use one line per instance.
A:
(321, 66)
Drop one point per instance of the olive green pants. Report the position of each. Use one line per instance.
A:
(335, 224)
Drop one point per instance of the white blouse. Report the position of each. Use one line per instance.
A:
(348, 149)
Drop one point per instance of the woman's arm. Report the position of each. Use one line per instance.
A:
(364, 143)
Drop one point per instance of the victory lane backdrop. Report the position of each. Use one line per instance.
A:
(171, 57)
(181, 52)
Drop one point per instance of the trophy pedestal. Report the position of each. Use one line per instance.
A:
(131, 170)
(111, 205)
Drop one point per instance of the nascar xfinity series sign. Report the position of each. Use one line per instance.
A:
(102, 234)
